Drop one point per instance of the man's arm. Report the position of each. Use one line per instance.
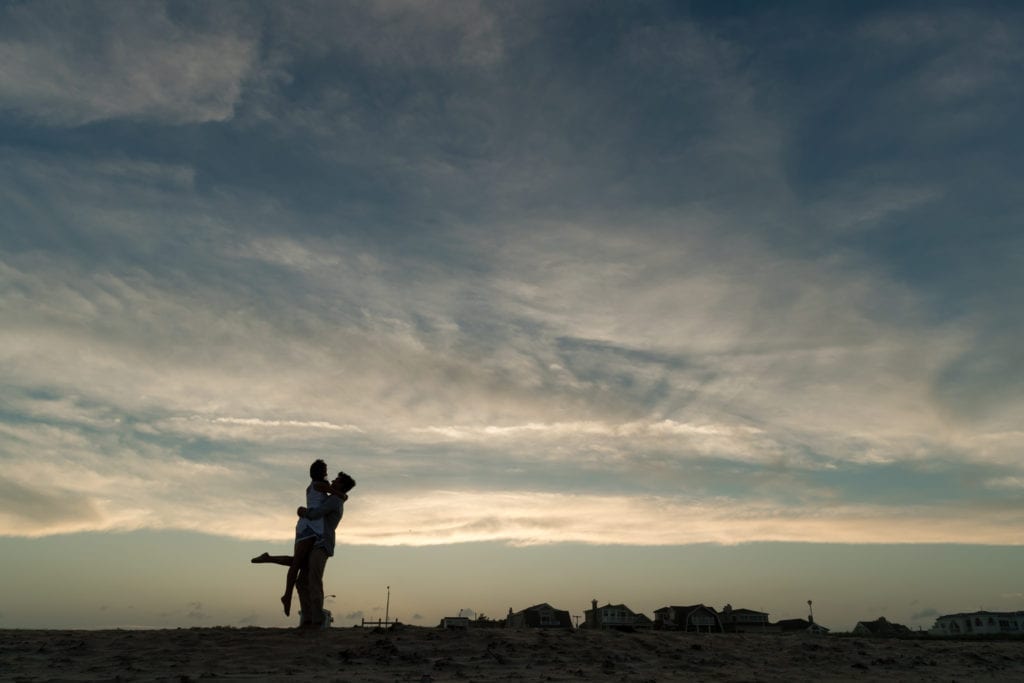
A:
(330, 504)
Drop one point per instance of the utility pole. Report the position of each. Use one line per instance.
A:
(387, 607)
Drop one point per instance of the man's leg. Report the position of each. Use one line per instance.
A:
(317, 563)
(305, 603)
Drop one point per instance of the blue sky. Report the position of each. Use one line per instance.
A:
(659, 281)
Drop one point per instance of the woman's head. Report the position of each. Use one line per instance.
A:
(318, 470)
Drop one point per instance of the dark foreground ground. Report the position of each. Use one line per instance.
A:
(423, 655)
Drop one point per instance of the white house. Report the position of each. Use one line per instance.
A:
(459, 622)
(976, 623)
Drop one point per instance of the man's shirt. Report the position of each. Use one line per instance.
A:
(331, 511)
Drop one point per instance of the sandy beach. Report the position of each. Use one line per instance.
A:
(422, 654)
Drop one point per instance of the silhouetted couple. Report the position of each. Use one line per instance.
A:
(314, 543)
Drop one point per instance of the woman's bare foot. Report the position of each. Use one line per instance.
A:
(265, 557)
(286, 600)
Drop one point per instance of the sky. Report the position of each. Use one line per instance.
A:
(650, 303)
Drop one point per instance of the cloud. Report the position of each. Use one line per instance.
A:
(73, 64)
(396, 33)
(1012, 483)
(256, 422)
(924, 614)
(40, 505)
(970, 53)
(352, 616)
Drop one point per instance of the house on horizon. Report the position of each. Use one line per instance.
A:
(539, 616)
(614, 617)
(800, 626)
(743, 620)
(700, 618)
(979, 623)
(881, 628)
(460, 622)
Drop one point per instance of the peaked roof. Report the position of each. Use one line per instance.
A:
(542, 605)
(687, 608)
(881, 625)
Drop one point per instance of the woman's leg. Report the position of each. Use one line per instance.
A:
(302, 549)
(286, 560)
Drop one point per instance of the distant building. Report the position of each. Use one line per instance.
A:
(880, 628)
(539, 616)
(979, 623)
(743, 620)
(800, 626)
(614, 617)
(689, 618)
(455, 623)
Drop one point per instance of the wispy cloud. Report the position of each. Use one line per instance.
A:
(257, 422)
(398, 34)
(1006, 483)
(74, 64)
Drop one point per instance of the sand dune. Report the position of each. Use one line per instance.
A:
(420, 654)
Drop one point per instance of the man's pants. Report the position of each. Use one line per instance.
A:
(310, 585)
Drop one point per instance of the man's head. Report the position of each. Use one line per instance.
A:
(318, 470)
(343, 483)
